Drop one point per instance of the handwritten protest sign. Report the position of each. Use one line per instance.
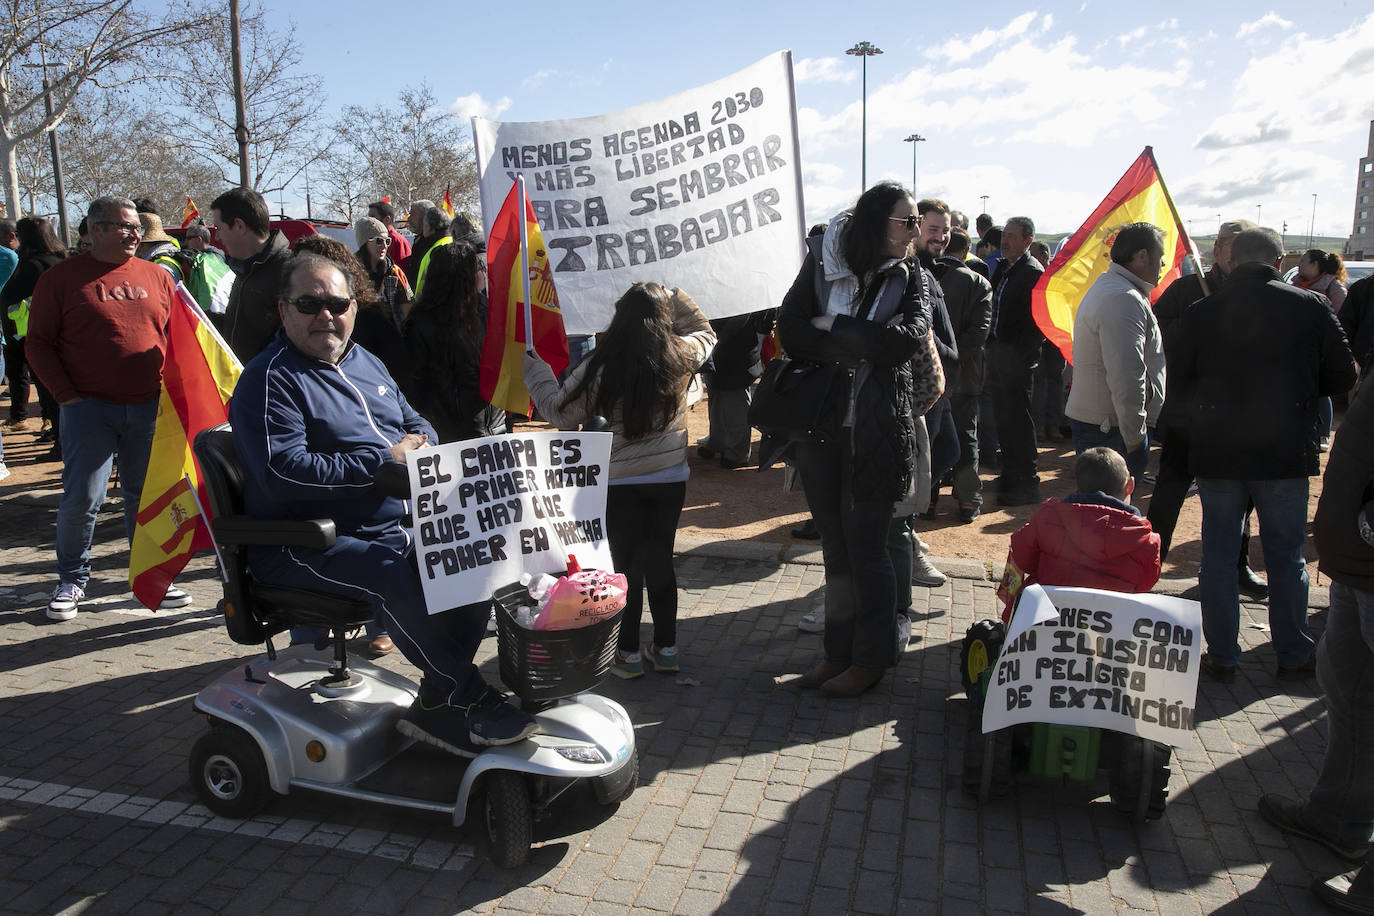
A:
(1080, 656)
(486, 510)
(700, 190)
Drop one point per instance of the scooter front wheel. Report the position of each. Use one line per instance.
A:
(229, 774)
(509, 818)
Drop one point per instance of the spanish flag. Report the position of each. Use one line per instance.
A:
(448, 202)
(198, 375)
(190, 213)
(501, 381)
(1140, 196)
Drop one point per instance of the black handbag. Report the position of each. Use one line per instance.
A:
(792, 397)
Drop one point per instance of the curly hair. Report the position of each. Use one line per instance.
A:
(640, 364)
(336, 251)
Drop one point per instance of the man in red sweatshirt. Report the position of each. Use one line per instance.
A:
(97, 336)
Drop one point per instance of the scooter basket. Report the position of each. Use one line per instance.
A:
(550, 664)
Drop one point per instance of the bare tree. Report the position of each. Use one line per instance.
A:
(283, 104)
(80, 42)
(346, 182)
(412, 151)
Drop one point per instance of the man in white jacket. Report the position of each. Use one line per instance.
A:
(1118, 352)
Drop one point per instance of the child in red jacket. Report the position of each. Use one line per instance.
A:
(1093, 538)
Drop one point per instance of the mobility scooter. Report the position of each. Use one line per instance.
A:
(296, 720)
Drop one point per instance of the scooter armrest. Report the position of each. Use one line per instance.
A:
(242, 531)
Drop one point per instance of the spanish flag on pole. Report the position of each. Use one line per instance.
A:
(198, 376)
(518, 300)
(190, 213)
(1140, 196)
(448, 201)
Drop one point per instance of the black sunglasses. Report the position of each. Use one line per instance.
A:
(911, 222)
(313, 305)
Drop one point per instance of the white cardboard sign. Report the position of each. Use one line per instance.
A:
(1082, 656)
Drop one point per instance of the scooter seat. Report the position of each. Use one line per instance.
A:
(309, 609)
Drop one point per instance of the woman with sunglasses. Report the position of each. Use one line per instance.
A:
(637, 379)
(860, 303)
(387, 278)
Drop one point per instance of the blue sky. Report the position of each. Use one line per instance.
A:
(1039, 108)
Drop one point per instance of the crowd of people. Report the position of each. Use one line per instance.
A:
(938, 367)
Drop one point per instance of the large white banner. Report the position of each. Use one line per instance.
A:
(701, 190)
(486, 510)
(1081, 656)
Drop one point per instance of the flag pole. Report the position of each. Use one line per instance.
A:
(525, 266)
(205, 520)
(1178, 221)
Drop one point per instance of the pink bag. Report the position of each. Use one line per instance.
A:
(582, 597)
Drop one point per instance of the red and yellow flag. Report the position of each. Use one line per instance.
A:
(198, 376)
(1140, 196)
(448, 203)
(189, 213)
(501, 381)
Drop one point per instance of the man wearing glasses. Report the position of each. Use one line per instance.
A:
(97, 336)
(314, 417)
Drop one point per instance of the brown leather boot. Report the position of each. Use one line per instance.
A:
(852, 681)
(818, 675)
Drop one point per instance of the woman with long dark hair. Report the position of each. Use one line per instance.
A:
(39, 249)
(859, 303)
(637, 379)
(443, 337)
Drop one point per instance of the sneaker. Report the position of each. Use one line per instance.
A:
(15, 426)
(903, 632)
(661, 659)
(4, 471)
(174, 599)
(1214, 669)
(627, 664)
(492, 721)
(923, 572)
(491, 622)
(921, 545)
(1299, 672)
(813, 622)
(968, 512)
(1326, 443)
(441, 725)
(1346, 892)
(65, 598)
(1290, 817)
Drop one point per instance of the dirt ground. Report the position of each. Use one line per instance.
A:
(751, 505)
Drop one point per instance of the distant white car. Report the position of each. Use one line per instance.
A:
(1355, 270)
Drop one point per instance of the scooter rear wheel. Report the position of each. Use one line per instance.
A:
(229, 774)
(509, 818)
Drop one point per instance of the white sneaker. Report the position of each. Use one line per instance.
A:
(4, 471)
(813, 622)
(921, 546)
(65, 598)
(923, 572)
(903, 632)
(174, 599)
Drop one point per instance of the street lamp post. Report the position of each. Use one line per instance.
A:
(913, 140)
(984, 199)
(864, 50)
(1259, 208)
(1312, 226)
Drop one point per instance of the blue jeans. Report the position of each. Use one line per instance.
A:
(93, 432)
(1344, 795)
(1089, 435)
(1282, 509)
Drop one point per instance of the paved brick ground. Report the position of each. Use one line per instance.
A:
(755, 798)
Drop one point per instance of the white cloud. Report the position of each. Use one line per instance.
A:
(958, 49)
(1132, 37)
(825, 70)
(1268, 19)
(537, 79)
(474, 106)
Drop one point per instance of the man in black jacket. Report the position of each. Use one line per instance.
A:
(1013, 351)
(968, 299)
(256, 253)
(1251, 365)
(1356, 318)
(1339, 812)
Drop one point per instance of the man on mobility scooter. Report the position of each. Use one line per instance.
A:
(314, 417)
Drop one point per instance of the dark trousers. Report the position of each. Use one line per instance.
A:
(1171, 489)
(968, 486)
(1047, 399)
(860, 588)
(944, 440)
(382, 572)
(17, 370)
(641, 525)
(1011, 372)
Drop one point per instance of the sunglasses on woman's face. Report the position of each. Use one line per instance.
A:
(910, 222)
(313, 305)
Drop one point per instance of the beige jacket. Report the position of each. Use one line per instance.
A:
(629, 457)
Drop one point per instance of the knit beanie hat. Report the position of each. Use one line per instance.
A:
(368, 228)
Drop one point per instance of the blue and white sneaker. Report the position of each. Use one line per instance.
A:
(492, 721)
(65, 599)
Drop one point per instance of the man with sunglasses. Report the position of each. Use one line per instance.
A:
(314, 417)
(97, 336)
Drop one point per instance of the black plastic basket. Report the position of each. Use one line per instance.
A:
(549, 664)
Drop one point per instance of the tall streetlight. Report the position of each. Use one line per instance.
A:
(1312, 226)
(913, 140)
(1259, 208)
(864, 50)
(984, 199)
